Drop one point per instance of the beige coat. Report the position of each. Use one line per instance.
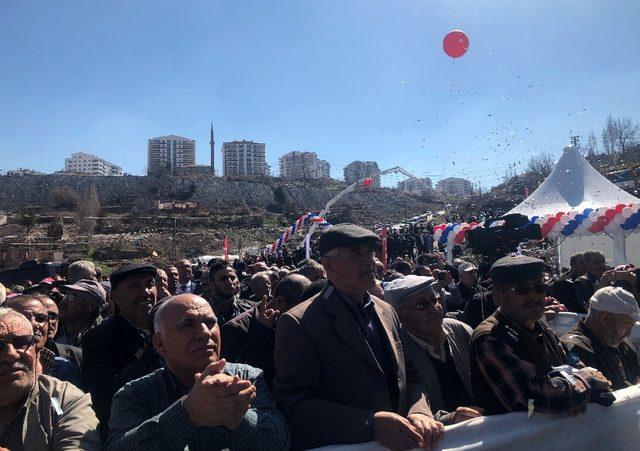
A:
(59, 417)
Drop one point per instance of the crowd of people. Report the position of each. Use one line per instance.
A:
(301, 353)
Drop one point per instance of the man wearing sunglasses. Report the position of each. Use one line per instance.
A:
(38, 411)
(437, 347)
(33, 309)
(513, 353)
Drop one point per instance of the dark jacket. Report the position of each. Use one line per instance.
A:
(478, 309)
(584, 287)
(107, 349)
(246, 340)
(564, 291)
(71, 353)
(620, 365)
(328, 381)
(148, 415)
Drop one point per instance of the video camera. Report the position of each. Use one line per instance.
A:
(501, 236)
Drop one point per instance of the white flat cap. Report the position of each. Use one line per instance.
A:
(399, 289)
(615, 300)
(466, 267)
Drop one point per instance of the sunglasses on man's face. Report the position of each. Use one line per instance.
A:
(53, 315)
(40, 318)
(522, 290)
(19, 343)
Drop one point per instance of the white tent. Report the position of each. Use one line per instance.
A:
(575, 185)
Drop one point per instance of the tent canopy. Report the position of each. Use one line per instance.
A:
(573, 185)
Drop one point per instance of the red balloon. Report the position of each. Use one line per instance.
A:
(455, 43)
(559, 214)
(609, 214)
(619, 208)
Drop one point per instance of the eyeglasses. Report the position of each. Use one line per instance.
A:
(38, 317)
(423, 306)
(19, 343)
(53, 315)
(525, 289)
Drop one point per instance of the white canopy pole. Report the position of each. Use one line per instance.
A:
(619, 248)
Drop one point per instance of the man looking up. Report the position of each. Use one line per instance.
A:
(197, 401)
(513, 353)
(598, 339)
(38, 411)
(120, 339)
(340, 368)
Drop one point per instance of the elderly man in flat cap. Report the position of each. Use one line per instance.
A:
(437, 347)
(517, 362)
(120, 339)
(340, 367)
(598, 339)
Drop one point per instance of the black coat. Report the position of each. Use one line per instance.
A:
(107, 349)
(246, 340)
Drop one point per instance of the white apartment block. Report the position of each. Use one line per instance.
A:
(166, 153)
(243, 158)
(303, 165)
(85, 163)
(454, 185)
(358, 170)
(415, 185)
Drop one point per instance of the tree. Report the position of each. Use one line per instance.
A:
(88, 209)
(592, 144)
(55, 229)
(538, 168)
(64, 198)
(618, 134)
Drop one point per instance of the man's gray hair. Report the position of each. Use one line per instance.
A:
(158, 320)
(82, 269)
(291, 287)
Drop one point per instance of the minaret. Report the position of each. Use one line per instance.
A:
(212, 143)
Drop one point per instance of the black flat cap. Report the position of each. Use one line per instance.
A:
(345, 235)
(127, 271)
(516, 268)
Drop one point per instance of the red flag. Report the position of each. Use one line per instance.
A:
(383, 239)
(367, 182)
(226, 248)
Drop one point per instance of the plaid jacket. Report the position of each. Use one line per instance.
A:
(506, 376)
(147, 414)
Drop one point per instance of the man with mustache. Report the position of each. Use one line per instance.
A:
(197, 401)
(340, 367)
(437, 347)
(513, 353)
(226, 302)
(598, 339)
(38, 411)
(120, 339)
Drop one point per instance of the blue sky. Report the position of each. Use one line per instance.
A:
(348, 79)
